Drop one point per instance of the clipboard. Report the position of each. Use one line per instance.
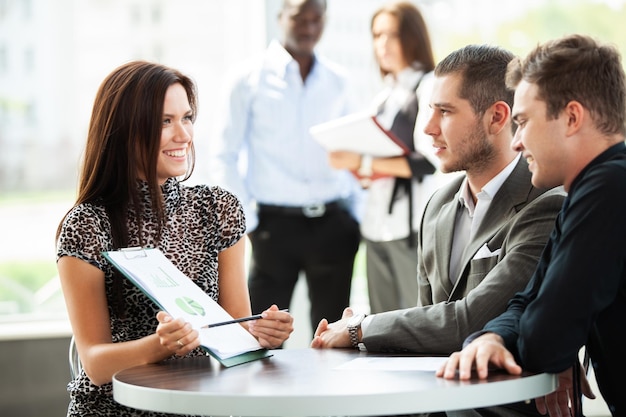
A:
(179, 296)
(360, 133)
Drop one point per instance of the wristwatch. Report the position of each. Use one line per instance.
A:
(365, 169)
(354, 324)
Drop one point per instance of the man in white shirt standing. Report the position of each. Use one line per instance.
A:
(301, 213)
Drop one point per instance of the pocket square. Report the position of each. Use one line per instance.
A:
(485, 252)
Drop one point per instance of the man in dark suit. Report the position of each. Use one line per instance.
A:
(482, 234)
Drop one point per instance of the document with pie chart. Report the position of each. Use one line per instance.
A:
(177, 294)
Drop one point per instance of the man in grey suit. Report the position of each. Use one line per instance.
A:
(481, 234)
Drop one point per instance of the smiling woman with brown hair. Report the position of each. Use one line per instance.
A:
(140, 142)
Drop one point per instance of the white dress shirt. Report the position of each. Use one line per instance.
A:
(263, 152)
(469, 216)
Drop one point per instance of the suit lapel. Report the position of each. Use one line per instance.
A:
(443, 245)
(513, 193)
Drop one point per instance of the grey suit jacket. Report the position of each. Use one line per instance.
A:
(515, 229)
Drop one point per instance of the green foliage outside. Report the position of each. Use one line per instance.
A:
(551, 20)
(31, 275)
(30, 285)
(20, 282)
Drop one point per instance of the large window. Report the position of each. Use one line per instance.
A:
(53, 56)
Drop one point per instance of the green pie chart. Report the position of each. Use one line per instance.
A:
(190, 306)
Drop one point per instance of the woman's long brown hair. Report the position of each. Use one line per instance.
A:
(124, 139)
(414, 37)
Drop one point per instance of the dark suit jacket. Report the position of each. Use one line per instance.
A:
(515, 229)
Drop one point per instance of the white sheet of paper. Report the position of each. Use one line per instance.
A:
(181, 297)
(394, 363)
(358, 133)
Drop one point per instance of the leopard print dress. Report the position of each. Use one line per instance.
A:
(201, 222)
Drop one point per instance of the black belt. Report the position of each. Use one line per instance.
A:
(311, 210)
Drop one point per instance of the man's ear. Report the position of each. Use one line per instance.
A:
(500, 117)
(575, 114)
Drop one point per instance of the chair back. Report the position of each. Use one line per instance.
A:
(74, 360)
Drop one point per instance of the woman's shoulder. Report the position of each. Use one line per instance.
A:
(85, 233)
(426, 82)
(213, 198)
(221, 205)
(208, 192)
(85, 213)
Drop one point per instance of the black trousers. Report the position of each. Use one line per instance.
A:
(283, 245)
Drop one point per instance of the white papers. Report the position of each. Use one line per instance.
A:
(173, 291)
(360, 133)
(394, 363)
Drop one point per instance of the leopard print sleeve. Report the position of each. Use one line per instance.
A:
(231, 219)
(84, 235)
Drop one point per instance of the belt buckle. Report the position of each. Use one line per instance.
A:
(314, 210)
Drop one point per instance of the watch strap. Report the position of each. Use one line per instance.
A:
(365, 169)
(353, 332)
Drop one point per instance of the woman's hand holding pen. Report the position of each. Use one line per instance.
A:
(273, 329)
(176, 335)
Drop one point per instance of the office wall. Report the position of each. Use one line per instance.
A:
(33, 377)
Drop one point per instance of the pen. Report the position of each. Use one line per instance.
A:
(253, 317)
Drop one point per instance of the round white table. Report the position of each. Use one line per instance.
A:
(306, 382)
